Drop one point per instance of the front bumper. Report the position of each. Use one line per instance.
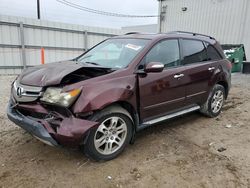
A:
(34, 128)
(69, 131)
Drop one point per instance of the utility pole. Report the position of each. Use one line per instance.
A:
(162, 12)
(160, 15)
(38, 9)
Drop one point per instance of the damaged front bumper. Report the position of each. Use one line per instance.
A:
(66, 131)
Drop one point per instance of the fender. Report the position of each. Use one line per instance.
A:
(221, 75)
(216, 77)
(98, 95)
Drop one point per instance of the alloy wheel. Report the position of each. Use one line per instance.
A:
(110, 135)
(217, 101)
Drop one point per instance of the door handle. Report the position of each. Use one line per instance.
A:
(211, 68)
(177, 76)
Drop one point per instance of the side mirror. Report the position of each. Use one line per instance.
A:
(154, 67)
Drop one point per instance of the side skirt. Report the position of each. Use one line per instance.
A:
(167, 117)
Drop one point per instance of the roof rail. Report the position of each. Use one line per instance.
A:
(191, 33)
(131, 33)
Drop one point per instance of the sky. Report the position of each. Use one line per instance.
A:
(55, 11)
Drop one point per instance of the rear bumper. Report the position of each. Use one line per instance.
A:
(34, 128)
(69, 131)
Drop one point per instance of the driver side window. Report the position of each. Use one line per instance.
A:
(166, 52)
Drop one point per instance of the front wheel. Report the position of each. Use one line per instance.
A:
(109, 139)
(215, 101)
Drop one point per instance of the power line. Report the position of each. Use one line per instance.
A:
(86, 9)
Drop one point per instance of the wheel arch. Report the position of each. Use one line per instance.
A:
(225, 85)
(133, 115)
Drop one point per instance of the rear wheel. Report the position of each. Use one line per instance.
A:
(215, 101)
(109, 139)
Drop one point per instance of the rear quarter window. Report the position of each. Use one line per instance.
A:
(212, 53)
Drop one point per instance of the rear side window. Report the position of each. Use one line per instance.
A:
(193, 51)
(212, 53)
(166, 52)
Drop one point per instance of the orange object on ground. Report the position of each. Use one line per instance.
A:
(42, 56)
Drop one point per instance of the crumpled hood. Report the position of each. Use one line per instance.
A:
(49, 74)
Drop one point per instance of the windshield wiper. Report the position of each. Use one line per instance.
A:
(100, 66)
(92, 63)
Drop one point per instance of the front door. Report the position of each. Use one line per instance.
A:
(161, 93)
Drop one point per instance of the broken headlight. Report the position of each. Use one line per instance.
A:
(57, 96)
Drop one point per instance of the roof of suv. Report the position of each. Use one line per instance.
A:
(173, 34)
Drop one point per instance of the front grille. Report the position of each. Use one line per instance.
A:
(24, 93)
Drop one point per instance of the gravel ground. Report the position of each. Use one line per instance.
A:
(179, 153)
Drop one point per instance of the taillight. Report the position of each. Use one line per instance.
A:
(229, 65)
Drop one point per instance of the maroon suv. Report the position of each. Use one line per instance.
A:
(100, 99)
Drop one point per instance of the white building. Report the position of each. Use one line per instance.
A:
(226, 20)
(149, 28)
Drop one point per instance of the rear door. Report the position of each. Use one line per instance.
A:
(199, 70)
(161, 93)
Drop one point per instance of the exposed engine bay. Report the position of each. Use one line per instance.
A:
(84, 74)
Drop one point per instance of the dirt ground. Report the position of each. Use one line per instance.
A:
(180, 153)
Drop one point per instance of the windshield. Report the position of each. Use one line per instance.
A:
(114, 53)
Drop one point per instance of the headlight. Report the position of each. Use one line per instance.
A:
(15, 85)
(56, 96)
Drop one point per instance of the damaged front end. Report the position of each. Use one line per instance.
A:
(50, 125)
(43, 101)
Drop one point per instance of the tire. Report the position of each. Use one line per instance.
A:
(209, 108)
(104, 142)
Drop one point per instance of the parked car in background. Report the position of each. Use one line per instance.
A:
(102, 98)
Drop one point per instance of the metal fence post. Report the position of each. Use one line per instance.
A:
(22, 44)
(85, 41)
